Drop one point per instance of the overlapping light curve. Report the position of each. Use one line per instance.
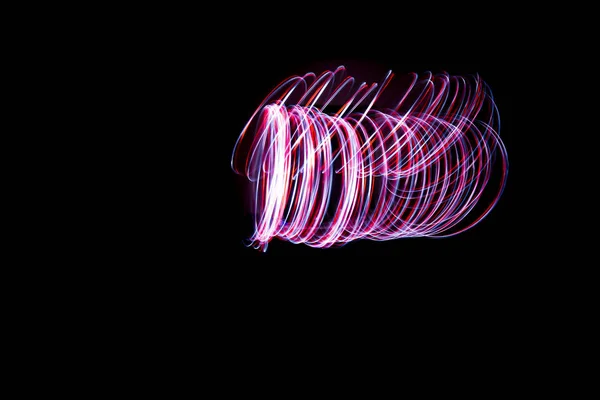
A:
(325, 175)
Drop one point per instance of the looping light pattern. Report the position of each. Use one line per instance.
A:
(325, 175)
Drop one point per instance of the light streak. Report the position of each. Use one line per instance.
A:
(325, 176)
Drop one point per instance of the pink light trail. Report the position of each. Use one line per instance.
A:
(361, 171)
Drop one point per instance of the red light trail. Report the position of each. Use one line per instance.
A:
(326, 175)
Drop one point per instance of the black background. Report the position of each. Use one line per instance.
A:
(180, 222)
(165, 262)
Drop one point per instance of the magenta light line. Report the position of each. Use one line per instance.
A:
(325, 176)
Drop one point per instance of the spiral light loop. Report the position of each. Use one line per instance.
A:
(328, 177)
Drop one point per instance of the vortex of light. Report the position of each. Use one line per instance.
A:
(326, 175)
